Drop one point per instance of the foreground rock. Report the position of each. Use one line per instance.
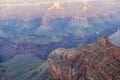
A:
(98, 61)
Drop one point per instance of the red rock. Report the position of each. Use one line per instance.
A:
(98, 61)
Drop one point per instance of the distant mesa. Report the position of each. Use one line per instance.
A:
(117, 34)
(56, 6)
(56, 10)
(83, 21)
(115, 38)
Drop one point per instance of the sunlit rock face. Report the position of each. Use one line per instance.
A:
(96, 61)
(53, 12)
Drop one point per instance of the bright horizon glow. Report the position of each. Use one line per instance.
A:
(39, 2)
(21, 8)
(84, 1)
(33, 2)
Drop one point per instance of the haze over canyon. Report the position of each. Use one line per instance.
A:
(59, 40)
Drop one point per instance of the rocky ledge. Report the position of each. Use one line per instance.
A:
(98, 61)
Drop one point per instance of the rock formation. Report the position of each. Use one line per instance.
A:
(114, 38)
(98, 61)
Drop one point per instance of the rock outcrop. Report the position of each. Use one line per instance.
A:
(98, 61)
(114, 38)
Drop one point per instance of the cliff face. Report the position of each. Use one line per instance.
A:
(98, 61)
(114, 38)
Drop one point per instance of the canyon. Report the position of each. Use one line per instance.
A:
(60, 40)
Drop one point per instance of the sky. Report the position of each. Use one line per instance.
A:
(38, 2)
(34, 8)
(33, 2)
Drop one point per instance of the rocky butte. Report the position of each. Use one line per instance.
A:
(98, 61)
